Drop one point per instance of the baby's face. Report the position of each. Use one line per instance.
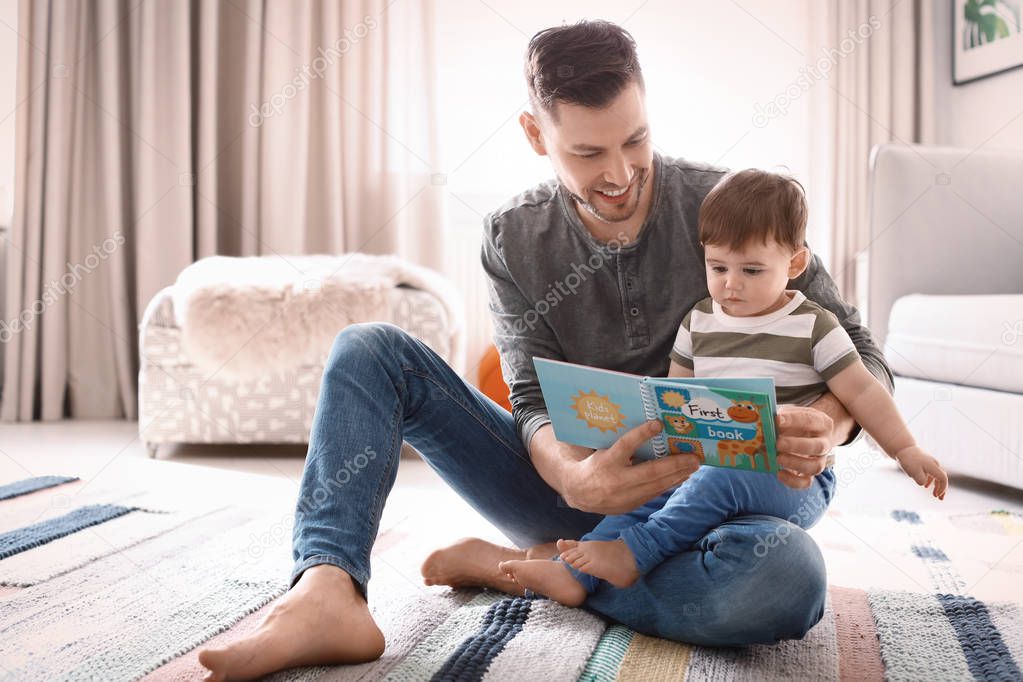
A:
(751, 281)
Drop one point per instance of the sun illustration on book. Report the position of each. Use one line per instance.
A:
(598, 411)
(673, 399)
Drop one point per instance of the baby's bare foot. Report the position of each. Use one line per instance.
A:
(323, 619)
(549, 578)
(610, 560)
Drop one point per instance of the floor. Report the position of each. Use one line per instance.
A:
(108, 452)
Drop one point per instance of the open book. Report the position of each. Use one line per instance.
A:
(727, 422)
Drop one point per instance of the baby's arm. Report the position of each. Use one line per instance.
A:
(677, 370)
(872, 407)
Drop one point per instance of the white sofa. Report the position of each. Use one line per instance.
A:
(946, 300)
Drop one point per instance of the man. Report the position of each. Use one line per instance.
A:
(598, 268)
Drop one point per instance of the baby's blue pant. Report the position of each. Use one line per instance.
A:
(672, 523)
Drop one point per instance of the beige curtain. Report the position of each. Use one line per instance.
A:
(153, 133)
(876, 60)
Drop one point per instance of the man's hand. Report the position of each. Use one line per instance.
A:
(805, 436)
(607, 482)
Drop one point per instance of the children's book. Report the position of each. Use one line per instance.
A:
(726, 422)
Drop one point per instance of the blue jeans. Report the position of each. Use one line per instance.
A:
(675, 521)
(380, 386)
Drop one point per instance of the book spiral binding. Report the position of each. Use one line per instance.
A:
(660, 441)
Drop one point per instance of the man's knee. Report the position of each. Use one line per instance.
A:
(800, 568)
(370, 334)
(773, 587)
(365, 340)
(780, 586)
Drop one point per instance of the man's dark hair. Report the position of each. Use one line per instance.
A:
(587, 63)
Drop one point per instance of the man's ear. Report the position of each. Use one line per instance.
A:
(531, 126)
(800, 260)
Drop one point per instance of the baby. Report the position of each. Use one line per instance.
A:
(752, 226)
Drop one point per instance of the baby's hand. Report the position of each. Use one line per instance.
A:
(923, 469)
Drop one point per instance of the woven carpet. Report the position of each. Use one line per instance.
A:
(30, 485)
(152, 584)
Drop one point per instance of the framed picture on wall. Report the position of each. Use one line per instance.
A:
(987, 38)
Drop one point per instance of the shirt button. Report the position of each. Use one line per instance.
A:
(634, 312)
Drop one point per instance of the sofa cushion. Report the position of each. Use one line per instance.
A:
(968, 340)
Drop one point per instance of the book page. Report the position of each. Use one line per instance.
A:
(721, 426)
(589, 406)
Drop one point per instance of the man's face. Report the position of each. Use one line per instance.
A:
(751, 281)
(602, 157)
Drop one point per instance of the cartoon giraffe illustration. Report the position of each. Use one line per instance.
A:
(745, 412)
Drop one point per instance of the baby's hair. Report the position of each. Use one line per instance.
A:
(754, 205)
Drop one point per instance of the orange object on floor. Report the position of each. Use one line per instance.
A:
(492, 381)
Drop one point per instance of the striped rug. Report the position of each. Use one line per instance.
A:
(133, 595)
(467, 635)
(31, 485)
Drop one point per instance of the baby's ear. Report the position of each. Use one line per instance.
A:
(800, 260)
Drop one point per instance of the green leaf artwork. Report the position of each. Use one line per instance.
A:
(989, 20)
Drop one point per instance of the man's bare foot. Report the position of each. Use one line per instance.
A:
(610, 560)
(322, 620)
(549, 578)
(472, 562)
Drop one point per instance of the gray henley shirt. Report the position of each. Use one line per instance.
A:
(557, 292)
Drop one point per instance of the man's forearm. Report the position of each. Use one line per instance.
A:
(844, 426)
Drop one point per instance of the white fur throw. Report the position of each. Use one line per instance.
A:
(244, 317)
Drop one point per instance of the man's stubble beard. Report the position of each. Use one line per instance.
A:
(595, 212)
